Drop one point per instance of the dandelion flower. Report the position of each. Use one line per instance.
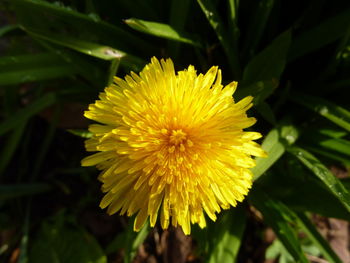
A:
(171, 144)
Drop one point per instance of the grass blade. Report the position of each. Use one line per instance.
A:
(178, 16)
(234, 29)
(11, 146)
(34, 14)
(315, 38)
(260, 90)
(138, 239)
(329, 154)
(280, 218)
(330, 181)
(329, 110)
(274, 149)
(269, 63)
(18, 190)
(161, 30)
(27, 112)
(44, 146)
(88, 48)
(256, 26)
(227, 236)
(8, 28)
(309, 228)
(27, 68)
(302, 191)
(217, 24)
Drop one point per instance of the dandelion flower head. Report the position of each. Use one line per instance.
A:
(171, 145)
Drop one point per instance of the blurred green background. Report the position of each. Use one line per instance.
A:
(292, 56)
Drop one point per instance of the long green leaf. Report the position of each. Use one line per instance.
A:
(60, 241)
(269, 63)
(129, 240)
(309, 228)
(34, 74)
(8, 28)
(226, 237)
(234, 32)
(43, 147)
(64, 21)
(295, 180)
(161, 30)
(329, 110)
(138, 239)
(330, 181)
(260, 90)
(10, 146)
(256, 25)
(17, 190)
(217, 24)
(266, 112)
(25, 113)
(23, 255)
(335, 148)
(333, 133)
(333, 155)
(179, 11)
(27, 68)
(280, 218)
(81, 133)
(88, 48)
(274, 149)
(314, 38)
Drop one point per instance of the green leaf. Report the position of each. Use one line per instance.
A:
(10, 146)
(17, 190)
(260, 90)
(269, 63)
(179, 11)
(8, 28)
(36, 67)
(43, 147)
(81, 133)
(256, 25)
(302, 191)
(129, 240)
(329, 110)
(277, 250)
(59, 241)
(331, 182)
(22, 115)
(23, 248)
(33, 15)
(281, 219)
(161, 30)
(311, 231)
(234, 32)
(334, 133)
(334, 148)
(136, 240)
(314, 39)
(94, 50)
(217, 24)
(274, 149)
(226, 236)
(266, 112)
(88, 48)
(112, 71)
(333, 155)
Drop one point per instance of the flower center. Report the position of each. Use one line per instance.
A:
(177, 137)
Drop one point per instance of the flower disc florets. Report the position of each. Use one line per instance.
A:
(171, 144)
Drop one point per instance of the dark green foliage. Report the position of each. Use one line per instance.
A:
(293, 57)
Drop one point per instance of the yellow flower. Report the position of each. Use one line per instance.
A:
(171, 143)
